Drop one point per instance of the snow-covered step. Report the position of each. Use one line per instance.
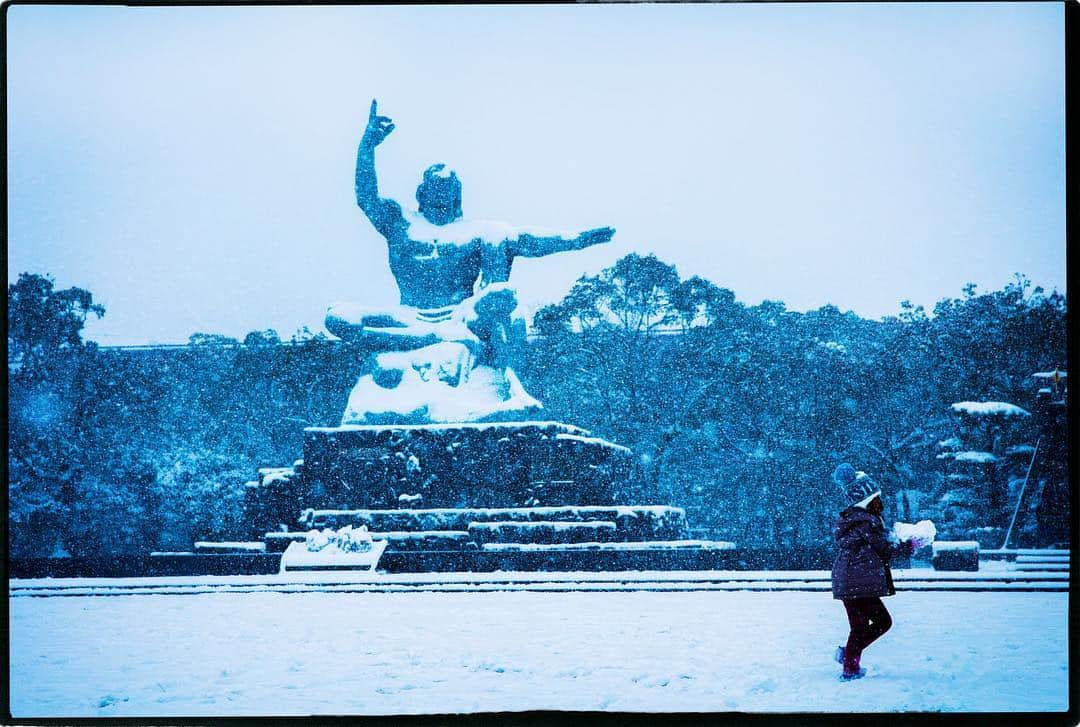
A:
(811, 581)
(899, 576)
(1026, 551)
(1018, 554)
(277, 542)
(542, 531)
(640, 546)
(203, 546)
(633, 522)
(554, 586)
(1043, 561)
(1042, 566)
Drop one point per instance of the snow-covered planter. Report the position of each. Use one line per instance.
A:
(957, 555)
(345, 549)
(346, 540)
(397, 541)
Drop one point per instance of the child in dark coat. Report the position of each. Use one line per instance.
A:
(861, 573)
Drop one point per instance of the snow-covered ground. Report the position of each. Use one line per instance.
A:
(427, 652)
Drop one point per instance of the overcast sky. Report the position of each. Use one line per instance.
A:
(193, 167)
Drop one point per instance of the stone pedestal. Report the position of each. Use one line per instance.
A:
(474, 496)
(503, 464)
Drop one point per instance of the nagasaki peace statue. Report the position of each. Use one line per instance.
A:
(441, 450)
(450, 350)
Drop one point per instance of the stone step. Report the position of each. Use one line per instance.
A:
(544, 531)
(653, 545)
(640, 522)
(277, 542)
(204, 546)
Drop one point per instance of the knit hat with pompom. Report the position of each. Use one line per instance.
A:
(857, 487)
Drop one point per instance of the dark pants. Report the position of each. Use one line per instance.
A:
(869, 619)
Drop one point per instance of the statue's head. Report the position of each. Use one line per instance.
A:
(439, 195)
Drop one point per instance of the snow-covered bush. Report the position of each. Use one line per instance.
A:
(345, 540)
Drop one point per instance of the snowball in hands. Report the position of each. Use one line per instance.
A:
(920, 534)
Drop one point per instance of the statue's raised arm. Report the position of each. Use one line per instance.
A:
(385, 214)
(538, 245)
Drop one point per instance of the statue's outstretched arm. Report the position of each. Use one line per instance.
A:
(537, 245)
(385, 214)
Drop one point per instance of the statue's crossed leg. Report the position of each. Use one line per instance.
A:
(397, 328)
(487, 324)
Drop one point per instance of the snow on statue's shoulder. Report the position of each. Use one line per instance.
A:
(462, 231)
(989, 408)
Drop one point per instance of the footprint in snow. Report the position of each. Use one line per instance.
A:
(575, 673)
(766, 687)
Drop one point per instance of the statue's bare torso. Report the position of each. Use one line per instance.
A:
(441, 265)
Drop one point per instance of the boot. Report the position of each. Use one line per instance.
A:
(852, 670)
(839, 654)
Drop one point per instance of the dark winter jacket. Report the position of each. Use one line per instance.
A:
(861, 569)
